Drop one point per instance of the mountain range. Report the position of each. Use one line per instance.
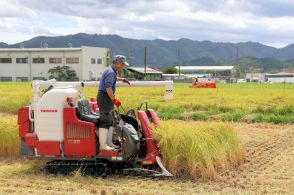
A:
(161, 52)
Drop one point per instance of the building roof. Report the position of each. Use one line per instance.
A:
(141, 70)
(173, 75)
(195, 68)
(42, 49)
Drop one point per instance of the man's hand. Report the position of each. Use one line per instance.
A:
(116, 102)
(126, 81)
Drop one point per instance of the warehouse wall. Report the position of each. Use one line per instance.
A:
(93, 70)
(30, 70)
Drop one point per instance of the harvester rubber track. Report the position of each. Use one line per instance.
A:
(98, 169)
(86, 168)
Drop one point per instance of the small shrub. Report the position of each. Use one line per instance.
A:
(273, 118)
(234, 116)
(199, 116)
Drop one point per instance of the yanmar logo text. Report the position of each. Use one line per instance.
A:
(49, 110)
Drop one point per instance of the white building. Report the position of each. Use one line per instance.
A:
(173, 76)
(280, 77)
(33, 63)
(255, 77)
(221, 73)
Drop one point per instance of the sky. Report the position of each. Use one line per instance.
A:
(269, 22)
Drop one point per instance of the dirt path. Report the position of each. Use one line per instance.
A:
(269, 168)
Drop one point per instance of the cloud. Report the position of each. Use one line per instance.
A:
(266, 21)
(273, 8)
(14, 9)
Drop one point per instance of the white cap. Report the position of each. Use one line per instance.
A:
(121, 58)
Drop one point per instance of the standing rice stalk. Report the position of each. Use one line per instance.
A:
(198, 150)
(9, 141)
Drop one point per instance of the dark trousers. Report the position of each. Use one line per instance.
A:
(105, 109)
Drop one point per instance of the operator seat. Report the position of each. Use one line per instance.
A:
(86, 114)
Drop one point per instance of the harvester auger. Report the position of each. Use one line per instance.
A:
(59, 126)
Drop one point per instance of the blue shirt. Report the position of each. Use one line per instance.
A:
(108, 79)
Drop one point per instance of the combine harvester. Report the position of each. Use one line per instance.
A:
(207, 84)
(59, 126)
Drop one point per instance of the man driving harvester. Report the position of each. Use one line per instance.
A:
(106, 99)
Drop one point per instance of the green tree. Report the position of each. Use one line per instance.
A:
(63, 73)
(169, 70)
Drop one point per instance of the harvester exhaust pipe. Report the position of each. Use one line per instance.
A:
(164, 172)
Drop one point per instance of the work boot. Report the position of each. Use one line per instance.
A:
(103, 139)
(109, 138)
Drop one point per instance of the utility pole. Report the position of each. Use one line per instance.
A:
(237, 64)
(145, 59)
(130, 57)
(179, 56)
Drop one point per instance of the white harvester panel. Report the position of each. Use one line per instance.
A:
(49, 113)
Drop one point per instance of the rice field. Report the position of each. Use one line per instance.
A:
(244, 102)
(190, 149)
(268, 169)
(13, 96)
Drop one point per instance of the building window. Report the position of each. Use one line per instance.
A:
(5, 78)
(22, 79)
(72, 60)
(6, 60)
(55, 60)
(93, 61)
(38, 60)
(99, 60)
(39, 78)
(21, 60)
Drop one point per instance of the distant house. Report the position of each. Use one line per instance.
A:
(280, 77)
(221, 73)
(145, 74)
(200, 77)
(255, 77)
(173, 76)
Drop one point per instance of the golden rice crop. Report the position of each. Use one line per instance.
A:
(247, 102)
(13, 96)
(263, 98)
(247, 97)
(9, 141)
(198, 150)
